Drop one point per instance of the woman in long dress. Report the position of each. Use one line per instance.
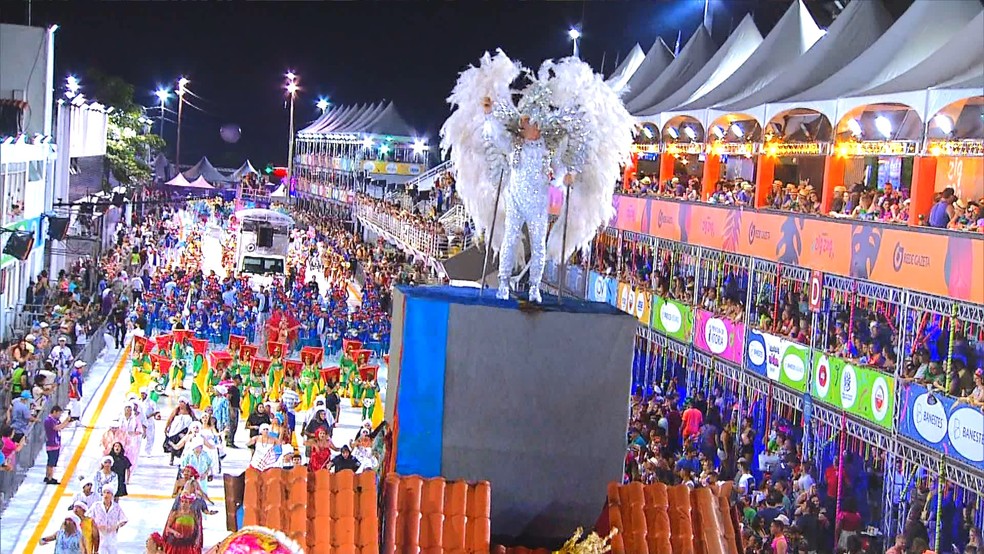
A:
(113, 435)
(183, 532)
(177, 427)
(108, 518)
(104, 477)
(121, 467)
(132, 425)
(265, 446)
(214, 442)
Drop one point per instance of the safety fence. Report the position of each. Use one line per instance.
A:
(34, 439)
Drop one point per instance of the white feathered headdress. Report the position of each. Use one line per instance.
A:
(592, 115)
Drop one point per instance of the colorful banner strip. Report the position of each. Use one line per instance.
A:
(935, 263)
(860, 391)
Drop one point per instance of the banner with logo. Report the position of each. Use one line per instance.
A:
(865, 393)
(778, 359)
(602, 288)
(635, 301)
(719, 336)
(673, 319)
(934, 263)
(392, 168)
(939, 422)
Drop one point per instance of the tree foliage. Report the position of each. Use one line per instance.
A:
(130, 146)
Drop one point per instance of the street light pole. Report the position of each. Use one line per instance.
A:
(182, 82)
(292, 91)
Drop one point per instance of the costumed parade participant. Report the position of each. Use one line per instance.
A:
(275, 375)
(568, 126)
(310, 379)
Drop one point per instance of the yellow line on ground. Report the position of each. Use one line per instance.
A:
(143, 496)
(76, 456)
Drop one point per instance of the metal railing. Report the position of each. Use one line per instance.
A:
(34, 438)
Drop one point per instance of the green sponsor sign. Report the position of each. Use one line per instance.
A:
(859, 391)
(672, 319)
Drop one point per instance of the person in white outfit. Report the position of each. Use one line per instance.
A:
(108, 518)
(150, 413)
(61, 357)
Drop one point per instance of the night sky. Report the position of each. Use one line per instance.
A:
(236, 53)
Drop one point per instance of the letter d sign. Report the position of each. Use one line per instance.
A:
(816, 290)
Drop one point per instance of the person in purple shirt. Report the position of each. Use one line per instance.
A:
(53, 426)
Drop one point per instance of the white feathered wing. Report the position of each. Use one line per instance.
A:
(608, 127)
(477, 182)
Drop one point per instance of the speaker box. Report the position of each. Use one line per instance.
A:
(532, 400)
(58, 228)
(264, 237)
(19, 245)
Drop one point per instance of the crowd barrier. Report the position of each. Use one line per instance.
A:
(24, 460)
(870, 395)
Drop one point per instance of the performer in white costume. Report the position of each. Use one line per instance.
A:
(568, 127)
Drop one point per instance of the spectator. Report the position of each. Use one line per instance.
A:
(53, 426)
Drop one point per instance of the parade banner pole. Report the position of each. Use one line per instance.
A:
(488, 240)
(563, 247)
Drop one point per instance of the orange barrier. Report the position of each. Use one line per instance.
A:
(434, 515)
(333, 513)
(656, 519)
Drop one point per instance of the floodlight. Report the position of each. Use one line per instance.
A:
(884, 126)
(689, 131)
(854, 126)
(674, 134)
(736, 129)
(574, 34)
(944, 123)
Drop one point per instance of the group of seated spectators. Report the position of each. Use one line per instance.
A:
(887, 204)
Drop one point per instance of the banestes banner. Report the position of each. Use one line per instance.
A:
(635, 301)
(863, 392)
(778, 359)
(939, 422)
(935, 263)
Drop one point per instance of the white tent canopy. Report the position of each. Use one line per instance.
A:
(178, 181)
(620, 77)
(281, 192)
(964, 52)
(792, 36)
(923, 28)
(739, 46)
(243, 171)
(854, 30)
(657, 60)
(204, 168)
(692, 58)
(200, 183)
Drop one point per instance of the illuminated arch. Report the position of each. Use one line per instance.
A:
(798, 125)
(686, 128)
(865, 123)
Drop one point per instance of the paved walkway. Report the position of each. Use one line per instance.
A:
(36, 508)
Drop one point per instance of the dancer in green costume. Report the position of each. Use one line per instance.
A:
(348, 370)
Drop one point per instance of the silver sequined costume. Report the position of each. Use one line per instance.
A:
(528, 167)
